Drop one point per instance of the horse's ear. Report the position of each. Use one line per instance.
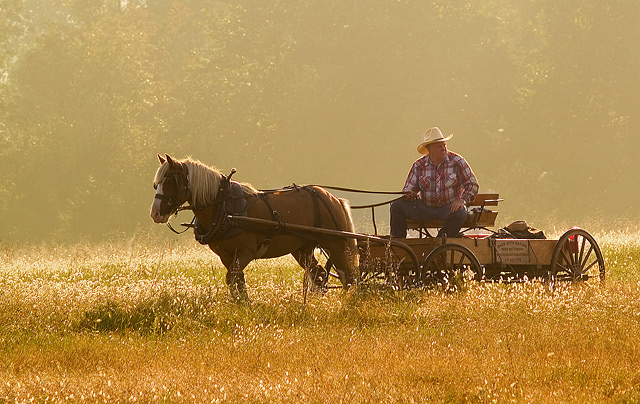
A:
(162, 160)
(169, 160)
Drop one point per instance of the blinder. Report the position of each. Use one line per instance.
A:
(182, 184)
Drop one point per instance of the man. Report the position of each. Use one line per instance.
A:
(445, 184)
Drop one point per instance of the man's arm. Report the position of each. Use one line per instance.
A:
(411, 188)
(469, 182)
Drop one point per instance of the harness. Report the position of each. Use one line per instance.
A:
(230, 201)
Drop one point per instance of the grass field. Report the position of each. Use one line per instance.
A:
(150, 321)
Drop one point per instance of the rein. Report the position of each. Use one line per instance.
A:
(370, 206)
(360, 191)
(187, 226)
(352, 190)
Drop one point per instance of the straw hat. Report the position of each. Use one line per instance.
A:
(432, 135)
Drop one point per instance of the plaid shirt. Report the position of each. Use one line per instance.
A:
(439, 186)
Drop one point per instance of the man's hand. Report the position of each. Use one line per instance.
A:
(457, 205)
(410, 195)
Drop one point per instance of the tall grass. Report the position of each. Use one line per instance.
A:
(151, 321)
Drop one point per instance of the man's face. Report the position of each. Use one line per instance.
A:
(437, 151)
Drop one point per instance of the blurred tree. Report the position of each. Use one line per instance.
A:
(541, 96)
(575, 117)
(219, 98)
(88, 94)
(13, 27)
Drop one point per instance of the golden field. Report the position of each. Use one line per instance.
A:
(150, 321)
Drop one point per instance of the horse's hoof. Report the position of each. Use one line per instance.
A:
(239, 297)
(318, 289)
(239, 300)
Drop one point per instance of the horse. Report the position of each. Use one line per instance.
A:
(215, 199)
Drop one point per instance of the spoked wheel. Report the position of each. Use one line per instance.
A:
(400, 270)
(449, 266)
(576, 257)
(390, 265)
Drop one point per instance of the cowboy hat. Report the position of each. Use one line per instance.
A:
(432, 135)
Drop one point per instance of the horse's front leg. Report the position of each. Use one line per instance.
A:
(235, 277)
(237, 285)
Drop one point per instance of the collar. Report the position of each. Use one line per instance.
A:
(428, 160)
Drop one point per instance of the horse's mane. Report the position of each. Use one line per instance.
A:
(204, 181)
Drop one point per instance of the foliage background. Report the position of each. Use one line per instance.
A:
(541, 96)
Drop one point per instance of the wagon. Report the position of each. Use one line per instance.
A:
(575, 256)
(481, 253)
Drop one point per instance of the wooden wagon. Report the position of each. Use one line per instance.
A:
(485, 255)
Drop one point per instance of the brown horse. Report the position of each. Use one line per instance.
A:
(214, 197)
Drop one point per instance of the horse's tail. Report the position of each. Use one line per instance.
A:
(352, 243)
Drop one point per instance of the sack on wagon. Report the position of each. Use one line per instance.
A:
(520, 229)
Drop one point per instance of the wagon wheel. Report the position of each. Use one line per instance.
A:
(400, 270)
(394, 268)
(449, 265)
(576, 257)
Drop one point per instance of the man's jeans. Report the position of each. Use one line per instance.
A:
(403, 210)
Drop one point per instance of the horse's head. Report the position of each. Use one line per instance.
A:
(172, 189)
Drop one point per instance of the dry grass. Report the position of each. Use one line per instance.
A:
(151, 322)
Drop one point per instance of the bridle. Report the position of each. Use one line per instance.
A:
(182, 183)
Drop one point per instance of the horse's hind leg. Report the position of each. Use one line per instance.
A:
(343, 263)
(318, 275)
